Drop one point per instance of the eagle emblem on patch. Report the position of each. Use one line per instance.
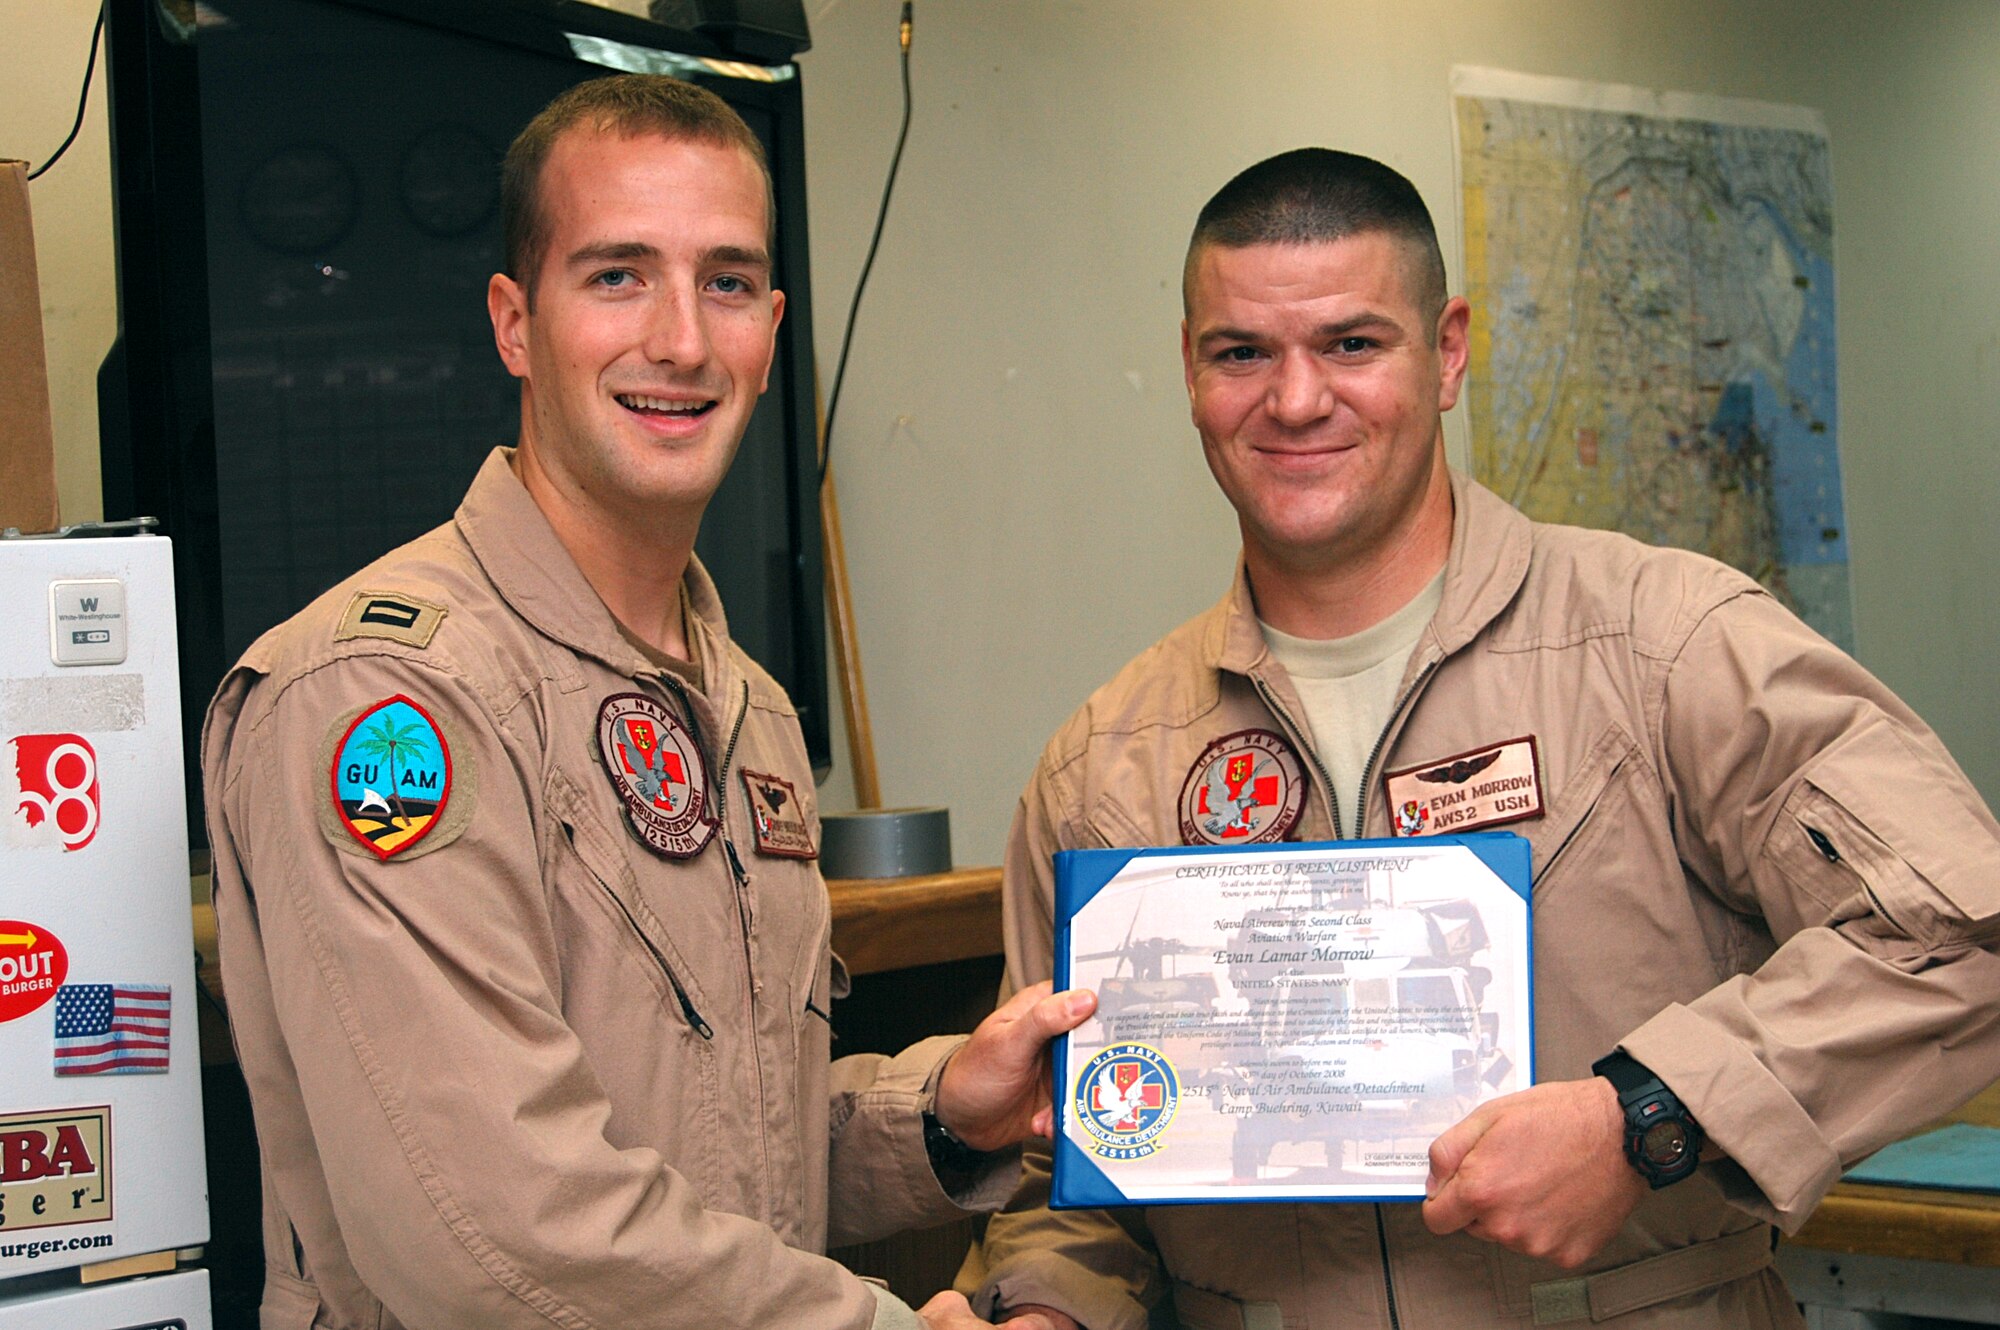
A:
(777, 818)
(657, 768)
(1245, 788)
(391, 776)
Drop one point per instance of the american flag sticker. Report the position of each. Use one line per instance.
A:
(118, 1028)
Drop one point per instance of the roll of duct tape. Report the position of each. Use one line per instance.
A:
(885, 842)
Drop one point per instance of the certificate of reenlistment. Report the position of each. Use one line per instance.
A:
(1285, 1022)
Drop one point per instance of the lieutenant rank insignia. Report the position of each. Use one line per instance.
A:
(777, 817)
(1245, 788)
(391, 776)
(657, 769)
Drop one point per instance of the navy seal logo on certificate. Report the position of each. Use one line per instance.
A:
(1297, 1021)
(1125, 1098)
(1244, 789)
(657, 769)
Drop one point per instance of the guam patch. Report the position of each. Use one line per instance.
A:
(1245, 788)
(658, 771)
(391, 777)
(391, 615)
(777, 817)
(1125, 1096)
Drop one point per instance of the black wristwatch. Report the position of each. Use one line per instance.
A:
(1662, 1139)
(954, 1162)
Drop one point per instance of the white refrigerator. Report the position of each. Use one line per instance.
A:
(100, 1069)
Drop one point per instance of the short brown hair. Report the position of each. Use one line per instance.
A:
(624, 104)
(1316, 196)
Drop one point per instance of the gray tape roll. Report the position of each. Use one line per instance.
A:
(885, 842)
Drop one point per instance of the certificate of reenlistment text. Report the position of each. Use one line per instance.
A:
(1288, 1021)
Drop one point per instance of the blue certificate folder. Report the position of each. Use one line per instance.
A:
(1162, 979)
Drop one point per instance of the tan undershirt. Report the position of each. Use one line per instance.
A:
(687, 671)
(1347, 686)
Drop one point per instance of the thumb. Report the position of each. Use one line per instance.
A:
(1449, 1150)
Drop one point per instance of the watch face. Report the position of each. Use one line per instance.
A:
(1664, 1144)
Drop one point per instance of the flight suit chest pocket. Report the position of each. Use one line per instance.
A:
(1582, 809)
(599, 896)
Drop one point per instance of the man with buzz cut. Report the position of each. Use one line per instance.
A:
(1765, 898)
(525, 945)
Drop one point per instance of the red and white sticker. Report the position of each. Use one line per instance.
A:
(1486, 787)
(657, 769)
(33, 964)
(52, 781)
(1245, 788)
(55, 1167)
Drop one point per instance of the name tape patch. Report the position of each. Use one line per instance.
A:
(1486, 787)
(777, 817)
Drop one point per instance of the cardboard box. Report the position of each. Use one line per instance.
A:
(27, 437)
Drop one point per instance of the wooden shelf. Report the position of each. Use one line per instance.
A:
(1913, 1223)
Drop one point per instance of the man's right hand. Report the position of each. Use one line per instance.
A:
(950, 1311)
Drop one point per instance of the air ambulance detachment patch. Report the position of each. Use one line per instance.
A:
(1245, 788)
(657, 769)
(391, 776)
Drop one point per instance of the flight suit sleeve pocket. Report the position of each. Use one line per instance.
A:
(1882, 812)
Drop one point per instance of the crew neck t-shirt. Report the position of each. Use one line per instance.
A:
(1347, 686)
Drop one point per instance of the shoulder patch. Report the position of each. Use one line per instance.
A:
(392, 615)
(397, 788)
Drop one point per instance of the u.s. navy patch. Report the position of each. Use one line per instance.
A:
(391, 615)
(657, 769)
(777, 817)
(1487, 787)
(1245, 788)
(391, 776)
(1124, 1098)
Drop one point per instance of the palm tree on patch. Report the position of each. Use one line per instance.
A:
(388, 740)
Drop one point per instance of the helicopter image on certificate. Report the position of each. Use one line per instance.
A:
(1319, 1022)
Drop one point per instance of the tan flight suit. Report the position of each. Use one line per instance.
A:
(1808, 1004)
(530, 1072)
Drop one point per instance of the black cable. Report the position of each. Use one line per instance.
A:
(82, 98)
(881, 216)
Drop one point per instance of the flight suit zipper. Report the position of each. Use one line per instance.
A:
(1340, 833)
(688, 1010)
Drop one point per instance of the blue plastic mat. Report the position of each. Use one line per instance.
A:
(1960, 1157)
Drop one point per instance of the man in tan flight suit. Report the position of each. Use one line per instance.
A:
(526, 951)
(1765, 898)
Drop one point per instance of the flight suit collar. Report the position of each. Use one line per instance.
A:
(534, 573)
(1490, 546)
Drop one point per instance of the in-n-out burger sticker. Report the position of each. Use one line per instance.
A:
(33, 964)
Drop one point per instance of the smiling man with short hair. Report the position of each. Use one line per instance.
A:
(1738, 919)
(525, 946)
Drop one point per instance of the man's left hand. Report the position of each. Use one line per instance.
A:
(995, 1090)
(1542, 1172)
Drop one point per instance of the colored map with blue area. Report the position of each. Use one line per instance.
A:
(1653, 335)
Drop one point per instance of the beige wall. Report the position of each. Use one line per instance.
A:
(41, 67)
(1025, 502)
(1026, 505)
